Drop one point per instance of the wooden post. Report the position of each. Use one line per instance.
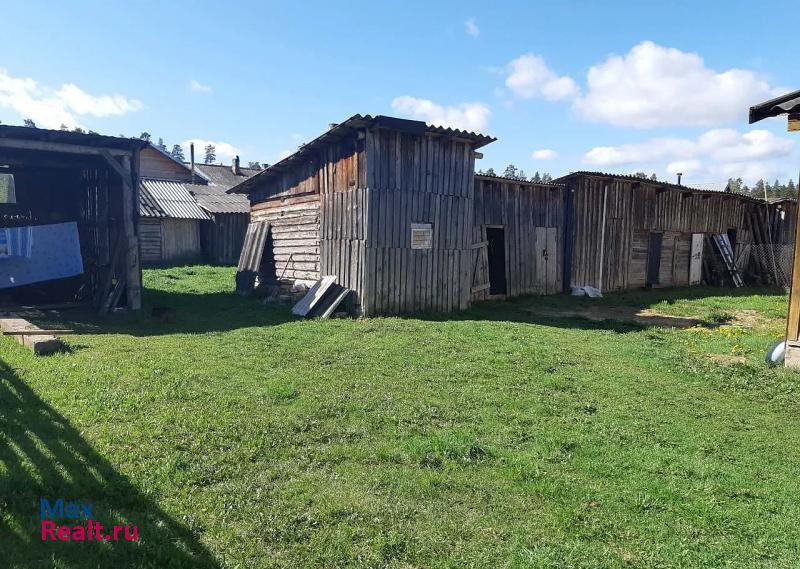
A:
(793, 319)
(130, 204)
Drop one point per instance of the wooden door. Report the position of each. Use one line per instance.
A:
(696, 259)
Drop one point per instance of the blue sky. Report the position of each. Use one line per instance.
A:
(654, 86)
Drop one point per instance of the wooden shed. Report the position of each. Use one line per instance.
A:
(385, 204)
(393, 209)
(624, 232)
(68, 218)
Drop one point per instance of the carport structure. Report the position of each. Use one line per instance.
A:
(68, 219)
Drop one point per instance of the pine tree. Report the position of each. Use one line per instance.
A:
(29, 123)
(78, 130)
(510, 171)
(177, 153)
(161, 146)
(63, 127)
(211, 154)
(490, 172)
(254, 165)
(521, 175)
(791, 189)
(145, 136)
(653, 177)
(758, 189)
(546, 178)
(536, 179)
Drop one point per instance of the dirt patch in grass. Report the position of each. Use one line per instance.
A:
(645, 317)
(727, 359)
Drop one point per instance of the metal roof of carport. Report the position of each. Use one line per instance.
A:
(788, 103)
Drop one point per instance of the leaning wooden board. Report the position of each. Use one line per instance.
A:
(314, 296)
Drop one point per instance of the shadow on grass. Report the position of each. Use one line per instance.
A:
(623, 312)
(201, 312)
(43, 456)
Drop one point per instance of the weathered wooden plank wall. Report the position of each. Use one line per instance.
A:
(150, 239)
(416, 179)
(180, 239)
(532, 216)
(634, 209)
(223, 236)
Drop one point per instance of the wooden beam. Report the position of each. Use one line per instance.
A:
(58, 147)
(130, 208)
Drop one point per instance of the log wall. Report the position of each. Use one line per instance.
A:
(292, 250)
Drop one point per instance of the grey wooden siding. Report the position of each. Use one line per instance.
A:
(532, 217)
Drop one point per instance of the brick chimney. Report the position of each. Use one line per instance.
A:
(235, 167)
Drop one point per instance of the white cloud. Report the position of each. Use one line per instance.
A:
(50, 109)
(528, 76)
(718, 152)
(544, 154)
(655, 86)
(198, 87)
(224, 151)
(471, 28)
(466, 116)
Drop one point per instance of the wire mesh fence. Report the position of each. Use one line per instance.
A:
(773, 262)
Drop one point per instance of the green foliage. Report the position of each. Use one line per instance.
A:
(497, 437)
(211, 154)
(177, 153)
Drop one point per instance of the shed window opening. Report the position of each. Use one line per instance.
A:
(8, 194)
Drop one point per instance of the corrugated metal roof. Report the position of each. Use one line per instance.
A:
(69, 137)
(213, 197)
(788, 103)
(346, 128)
(657, 183)
(162, 198)
(710, 186)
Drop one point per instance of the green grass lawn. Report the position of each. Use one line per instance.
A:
(238, 436)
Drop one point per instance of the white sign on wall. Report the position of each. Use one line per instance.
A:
(421, 235)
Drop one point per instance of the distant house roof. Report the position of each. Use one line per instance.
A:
(161, 198)
(213, 196)
(788, 103)
(347, 128)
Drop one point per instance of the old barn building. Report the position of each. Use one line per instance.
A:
(624, 232)
(68, 218)
(393, 208)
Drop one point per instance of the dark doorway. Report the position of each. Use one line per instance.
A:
(496, 236)
(654, 258)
